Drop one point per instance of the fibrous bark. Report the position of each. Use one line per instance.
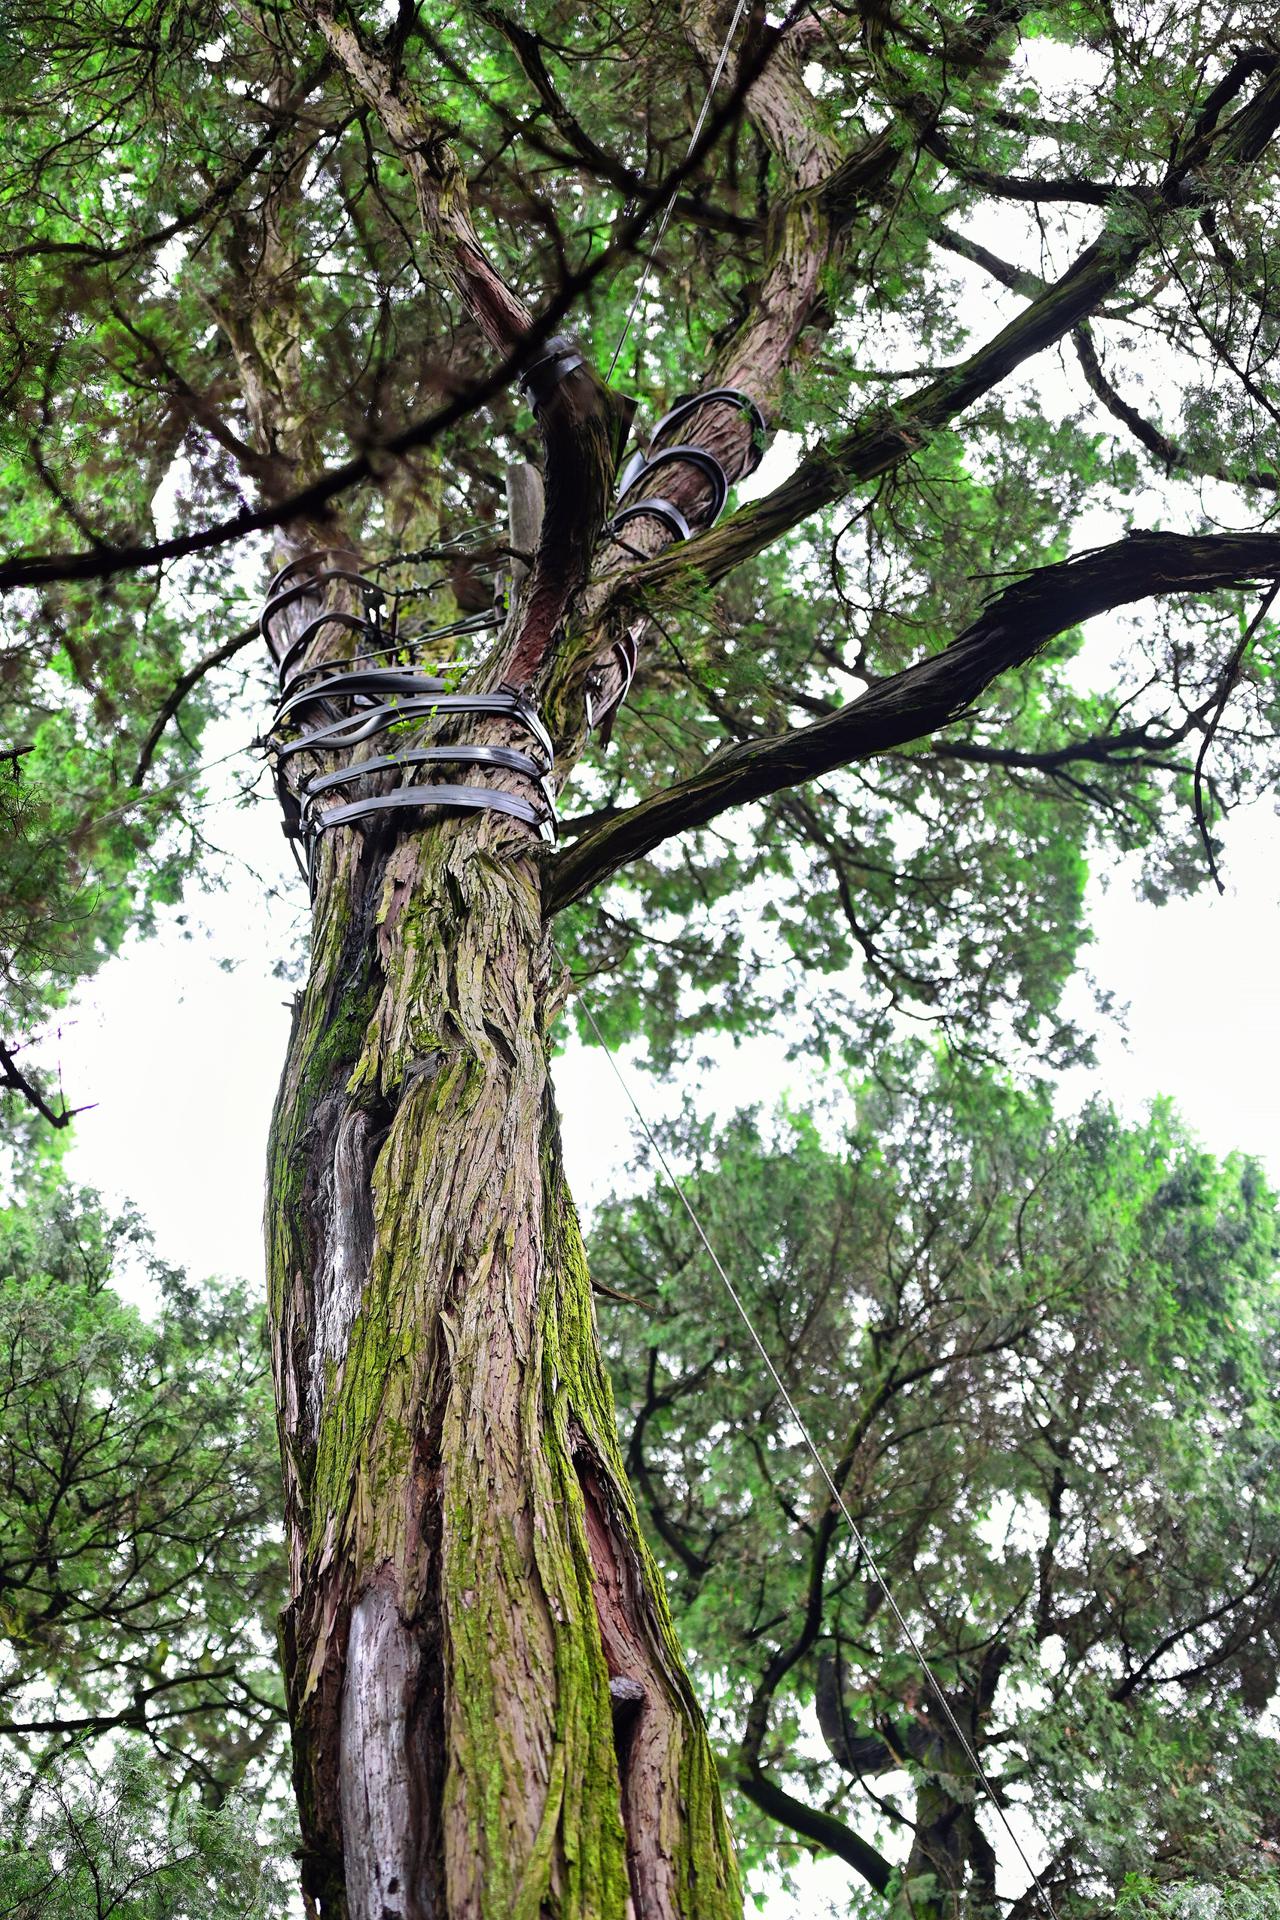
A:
(489, 1709)
(490, 1712)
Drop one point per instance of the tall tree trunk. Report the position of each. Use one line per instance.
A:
(490, 1712)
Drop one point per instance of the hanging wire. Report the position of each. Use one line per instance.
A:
(161, 793)
(643, 281)
(859, 1538)
(455, 543)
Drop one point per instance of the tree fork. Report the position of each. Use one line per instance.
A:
(489, 1706)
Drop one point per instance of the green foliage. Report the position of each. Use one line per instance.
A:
(1045, 1356)
(1142, 1899)
(108, 1848)
(143, 310)
(85, 856)
(141, 1564)
(1043, 1359)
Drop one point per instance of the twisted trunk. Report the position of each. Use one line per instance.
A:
(489, 1709)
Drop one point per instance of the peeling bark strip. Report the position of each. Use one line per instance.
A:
(379, 1785)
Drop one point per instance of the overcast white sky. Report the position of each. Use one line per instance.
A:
(181, 1056)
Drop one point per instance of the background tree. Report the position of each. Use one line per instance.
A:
(140, 1566)
(1042, 1362)
(263, 268)
(108, 1852)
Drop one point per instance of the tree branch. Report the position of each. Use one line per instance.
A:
(811, 1823)
(181, 688)
(90, 254)
(877, 444)
(1017, 279)
(315, 501)
(1170, 453)
(135, 1714)
(14, 1080)
(932, 693)
(1074, 189)
(580, 147)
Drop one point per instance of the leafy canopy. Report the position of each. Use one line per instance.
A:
(141, 1566)
(215, 287)
(1042, 1358)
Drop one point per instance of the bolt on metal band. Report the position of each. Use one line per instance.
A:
(539, 381)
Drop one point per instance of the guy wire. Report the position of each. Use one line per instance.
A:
(150, 795)
(647, 269)
(859, 1538)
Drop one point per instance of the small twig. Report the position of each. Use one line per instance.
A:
(15, 1080)
(611, 1293)
(1229, 680)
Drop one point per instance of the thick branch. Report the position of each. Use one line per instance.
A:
(1074, 189)
(932, 693)
(1017, 279)
(805, 242)
(877, 445)
(812, 1824)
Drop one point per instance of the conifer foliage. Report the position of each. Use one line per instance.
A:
(837, 740)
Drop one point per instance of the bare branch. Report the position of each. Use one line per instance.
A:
(1229, 680)
(811, 1823)
(181, 688)
(13, 1080)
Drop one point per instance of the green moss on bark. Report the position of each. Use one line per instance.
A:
(465, 1422)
